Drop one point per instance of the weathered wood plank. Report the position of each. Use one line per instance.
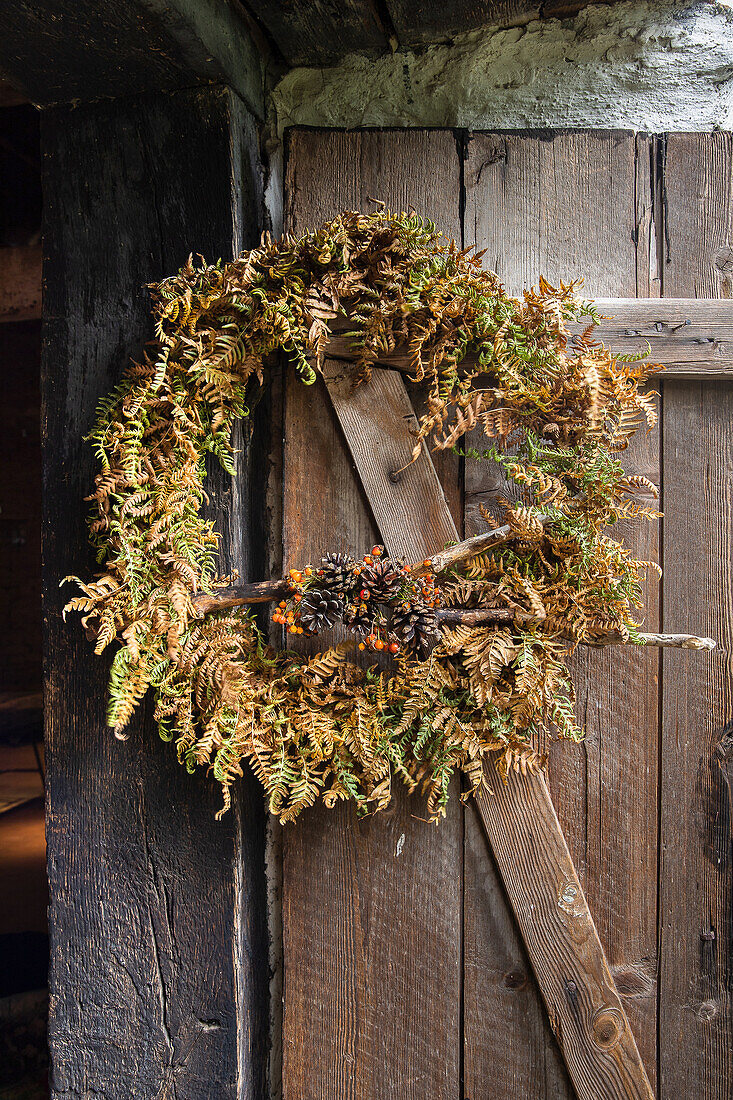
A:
(372, 908)
(509, 1048)
(158, 938)
(56, 51)
(585, 1010)
(406, 498)
(20, 283)
(692, 338)
(696, 874)
(564, 206)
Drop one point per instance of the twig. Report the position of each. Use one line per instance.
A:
(457, 616)
(262, 591)
(238, 594)
(265, 591)
(480, 616)
(469, 548)
(661, 641)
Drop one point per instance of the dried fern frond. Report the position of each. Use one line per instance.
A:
(554, 415)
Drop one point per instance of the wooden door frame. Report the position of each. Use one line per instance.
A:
(158, 914)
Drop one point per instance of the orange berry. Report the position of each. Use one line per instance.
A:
(297, 577)
(361, 645)
(377, 551)
(427, 563)
(309, 572)
(379, 644)
(368, 559)
(364, 594)
(282, 604)
(299, 629)
(292, 630)
(298, 597)
(394, 647)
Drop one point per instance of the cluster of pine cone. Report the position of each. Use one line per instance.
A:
(376, 597)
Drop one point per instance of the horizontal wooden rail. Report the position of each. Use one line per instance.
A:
(692, 337)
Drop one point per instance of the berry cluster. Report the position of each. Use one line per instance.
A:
(377, 597)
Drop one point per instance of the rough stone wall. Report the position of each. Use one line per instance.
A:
(637, 65)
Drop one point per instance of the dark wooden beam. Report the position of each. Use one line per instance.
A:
(319, 32)
(159, 963)
(435, 21)
(56, 51)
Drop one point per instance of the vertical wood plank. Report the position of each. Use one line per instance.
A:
(696, 878)
(158, 944)
(566, 205)
(372, 908)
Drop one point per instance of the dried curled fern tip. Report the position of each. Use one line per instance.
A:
(478, 649)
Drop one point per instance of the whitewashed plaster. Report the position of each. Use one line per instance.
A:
(636, 65)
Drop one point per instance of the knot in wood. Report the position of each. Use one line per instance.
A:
(607, 1027)
(724, 260)
(515, 979)
(707, 1011)
(570, 898)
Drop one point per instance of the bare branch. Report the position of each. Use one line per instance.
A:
(661, 641)
(469, 548)
(239, 594)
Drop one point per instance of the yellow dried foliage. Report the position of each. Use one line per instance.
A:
(321, 728)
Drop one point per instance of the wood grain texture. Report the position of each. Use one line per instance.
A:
(509, 1048)
(372, 908)
(405, 497)
(158, 946)
(563, 205)
(585, 1010)
(56, 51)
(696, 873)
(20, 283)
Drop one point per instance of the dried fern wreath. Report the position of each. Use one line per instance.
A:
(479, 645)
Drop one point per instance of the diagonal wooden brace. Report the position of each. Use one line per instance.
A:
(572, 971)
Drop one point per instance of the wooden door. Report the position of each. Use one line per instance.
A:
(404, 974)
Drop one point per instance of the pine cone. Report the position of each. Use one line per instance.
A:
(359, 617)
(416, 628)
(336, 574)
(383, 580)
(319, 611)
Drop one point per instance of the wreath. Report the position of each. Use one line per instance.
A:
(471, 645)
